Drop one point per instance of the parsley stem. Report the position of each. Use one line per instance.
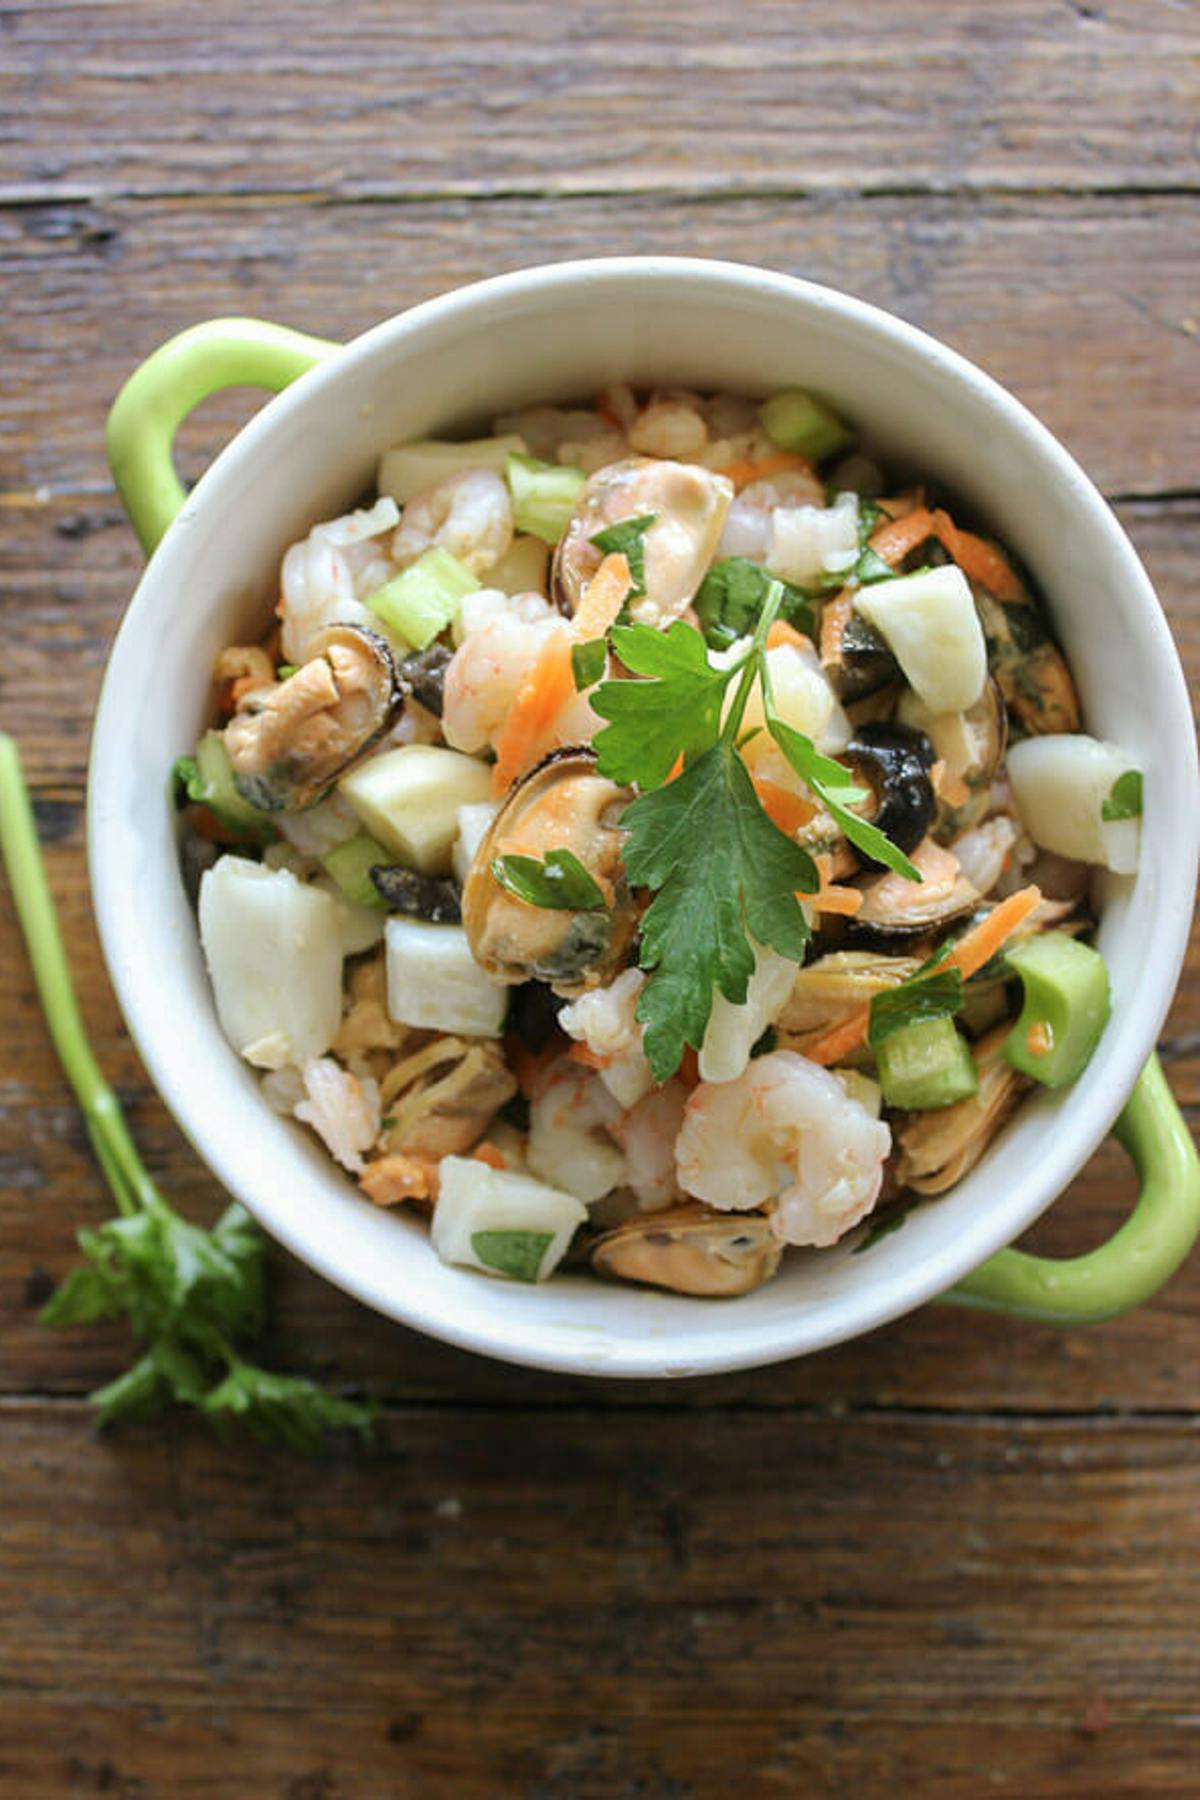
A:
(753, 662)
(106, 1126)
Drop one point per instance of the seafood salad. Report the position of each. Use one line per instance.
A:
(648, 838)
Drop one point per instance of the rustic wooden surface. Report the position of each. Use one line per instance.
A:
(957, 1558)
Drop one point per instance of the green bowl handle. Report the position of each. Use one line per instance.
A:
(1141, 1254)
(159, 395)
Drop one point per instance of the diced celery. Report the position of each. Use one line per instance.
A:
(799, 422)
(351, 863)
(543, 495)
(209, 779)
(419, 603)
(1067, 1004)
(926, 1065)
(412, 468)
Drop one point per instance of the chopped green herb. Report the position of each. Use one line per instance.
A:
(677, 712)
(543, 495)
(588, 662)
(387, 1124)
(627, 538)
(732, 595)
(1125, 799)
(518, 1254)
(560, 882)
(884, 1227)
(835, 788)
(285, 671)
(935, 996)
(721, 869)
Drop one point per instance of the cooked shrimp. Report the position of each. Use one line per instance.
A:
(984, 852)
(328, 574)
(748, 522)
(342, 1110)
(785, 1131)
(808, 542)
(560, 434)
(503, 639)
(647, 1134)
(569, 1142)
(469, 514)
(671, 425)
(605, 1020)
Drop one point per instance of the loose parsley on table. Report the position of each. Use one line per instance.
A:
(190, 1295)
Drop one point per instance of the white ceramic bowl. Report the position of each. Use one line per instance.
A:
(448, 365)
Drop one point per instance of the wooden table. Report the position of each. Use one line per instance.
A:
(957, 1559)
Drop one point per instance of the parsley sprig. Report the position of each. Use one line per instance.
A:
(191, 1296)
(722, 874)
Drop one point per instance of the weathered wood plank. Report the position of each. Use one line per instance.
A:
(1086, 309)
(494, 97)
(546, 1604)
(524, 1751)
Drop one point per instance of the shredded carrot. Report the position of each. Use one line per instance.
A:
(981, 943)
(896, 537)
(748, 469)
(591, 1059)
(676, 769)
(203, 823)
(488, 1153)
(245, 684)
(787, 810)
(834, 619)
(972, 950)
(530, 1066)
(984, 562)
(830, 897)
(689, 1067)
(541, 697)
(840, 1040)
(783, 633)
(603, 598)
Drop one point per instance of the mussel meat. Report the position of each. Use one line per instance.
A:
(561, 804)
(688, 506)
(691, 1250)
(289, 743)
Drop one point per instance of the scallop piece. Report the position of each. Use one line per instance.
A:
(561, 804)
(289, 743)
(688, 505)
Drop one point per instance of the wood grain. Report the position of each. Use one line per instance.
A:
(957, 1557)
(521, 95)
(1087, 308)
(538, 1604)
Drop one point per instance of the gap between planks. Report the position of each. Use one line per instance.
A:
(17, 196)
(1098, 1419)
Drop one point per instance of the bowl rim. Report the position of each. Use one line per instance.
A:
(1067, 1150)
